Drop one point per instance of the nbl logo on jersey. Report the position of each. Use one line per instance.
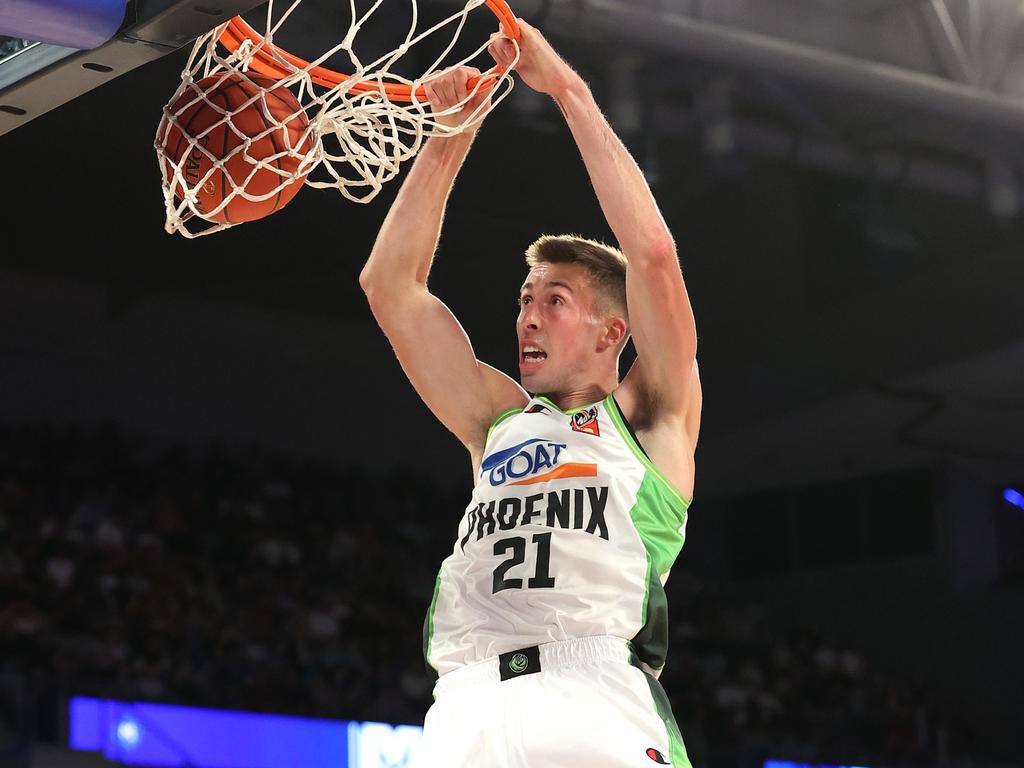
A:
(532, 461)
(586, 421)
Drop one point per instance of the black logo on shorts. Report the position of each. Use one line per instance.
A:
(657, 757)
(525, 661)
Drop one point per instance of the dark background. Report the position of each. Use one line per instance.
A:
(861, 341)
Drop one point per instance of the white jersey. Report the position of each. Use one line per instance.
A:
(570, 533)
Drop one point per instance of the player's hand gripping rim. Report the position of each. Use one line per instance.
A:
(456, 107)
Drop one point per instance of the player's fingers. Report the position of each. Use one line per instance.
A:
(499, 53)
(508, 50)
(497, 48)
(432, 96)
(447, 88)
(472, 73)
(459, 78)
(439, 98)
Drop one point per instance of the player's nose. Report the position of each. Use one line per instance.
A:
(528, 318)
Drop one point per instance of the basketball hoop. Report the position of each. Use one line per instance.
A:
(364, 125)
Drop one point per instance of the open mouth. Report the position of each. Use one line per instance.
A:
(532, 355)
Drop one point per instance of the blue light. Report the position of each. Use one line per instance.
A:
(85, 724)
(1015, 498)
(788, 764)
(129, 733)
(133, 733)
(380, 745)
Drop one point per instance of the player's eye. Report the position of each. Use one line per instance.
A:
(524, 300)
(557, 300)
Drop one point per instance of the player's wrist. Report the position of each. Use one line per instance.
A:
(573, 93)
(569, 82)
(452, 144)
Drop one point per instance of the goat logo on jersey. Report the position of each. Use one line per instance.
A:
(525, 464)
(586, 421)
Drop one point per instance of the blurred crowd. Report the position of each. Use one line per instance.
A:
(245, 580)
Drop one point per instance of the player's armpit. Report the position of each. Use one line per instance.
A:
(437, 357)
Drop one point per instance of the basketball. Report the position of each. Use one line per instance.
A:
(219, 114)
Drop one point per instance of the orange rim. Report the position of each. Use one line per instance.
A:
(265, 63)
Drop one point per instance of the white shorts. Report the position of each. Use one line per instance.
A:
(587, 706)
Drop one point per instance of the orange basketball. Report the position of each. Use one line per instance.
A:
(275, 123)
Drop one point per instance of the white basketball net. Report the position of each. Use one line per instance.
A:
(368, 136)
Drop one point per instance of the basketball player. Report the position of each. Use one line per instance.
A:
(548, 623)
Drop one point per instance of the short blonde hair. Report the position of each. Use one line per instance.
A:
(604, 264)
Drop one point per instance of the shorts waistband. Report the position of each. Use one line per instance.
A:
(555, 655)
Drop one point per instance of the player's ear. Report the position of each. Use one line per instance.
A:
(615, 331)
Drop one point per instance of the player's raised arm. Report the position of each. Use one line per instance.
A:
(431, 345)
(660, 317)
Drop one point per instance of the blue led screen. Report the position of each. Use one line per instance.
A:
(135, 733)
(788, 764)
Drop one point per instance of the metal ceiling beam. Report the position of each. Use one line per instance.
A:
(1002, 25)
(948, 43)
(674, 33)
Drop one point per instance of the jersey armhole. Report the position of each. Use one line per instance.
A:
(629, 428)
(500, 418)
(620, 420)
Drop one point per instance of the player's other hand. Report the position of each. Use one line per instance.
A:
(539, 66)
(446, 91)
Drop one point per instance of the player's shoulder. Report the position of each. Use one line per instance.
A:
(505, 399)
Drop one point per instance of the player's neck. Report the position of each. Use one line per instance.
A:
(580, 395)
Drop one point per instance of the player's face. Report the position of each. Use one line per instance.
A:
(557, 327)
